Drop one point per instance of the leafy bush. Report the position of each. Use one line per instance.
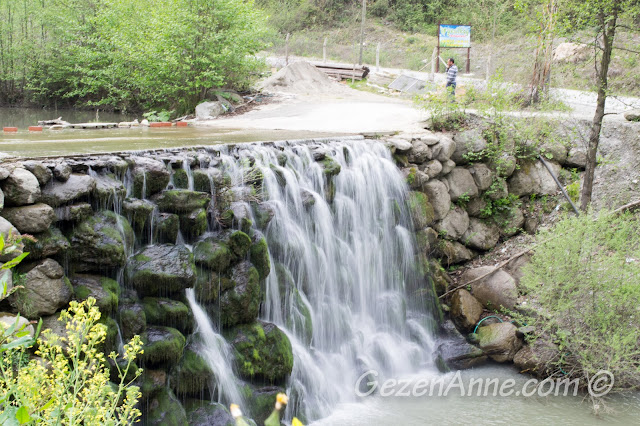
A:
(584, 280)
(68, 382)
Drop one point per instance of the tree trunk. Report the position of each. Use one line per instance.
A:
(608, 32)
(544, 54)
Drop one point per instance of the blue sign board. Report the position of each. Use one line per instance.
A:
(455, 36)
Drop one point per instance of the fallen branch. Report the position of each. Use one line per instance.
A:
(634, 205)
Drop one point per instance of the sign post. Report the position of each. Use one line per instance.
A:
(455, 37)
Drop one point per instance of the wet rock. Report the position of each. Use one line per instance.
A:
(259, 256)
(149, 176)
(533, 178)
(74, 213)
(39, 170)
(168, 312)
(192, 376)
(105, 290)
(241, 304)
(482, 176)
(193, 224)
(468, 143)
(456, 352)
(181, 200)
(242, 214)
(454, 225)
(30, 219)
(439, 198)
(444, 149)
(10, 233)
(62, 172)
(99, 242)
(152, 381)
(493, 291)
(420, 152)
(21, 187)
(209, 284)
(461, 184)
(539, 357)
(138, 212)
(46, 290)
(481, 235)
(399, 144)
(330, 166)
(165, 409)
(162, 345)
(452, 252)
(167, 228)
(261, 400)
(207, 413)
(414, 177)
(465, 310)
(262, 352)
(425, 240)
(422, 212)
(132, 320)
(76, 187)
(161, 270)
(108, 189)
(499, 341)
(212, 253)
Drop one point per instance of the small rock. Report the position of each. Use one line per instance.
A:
(439, 198)
(633, 115)
(454, 225)
(499, 341)
(30, 219)
(62, 171)
(76, 186)
(461, 184)
(39, 170)
(467, 143)
(21, 187)
(493, 291)
(465, 310)
(482, 176)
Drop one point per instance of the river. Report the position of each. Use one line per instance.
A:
(77, 141)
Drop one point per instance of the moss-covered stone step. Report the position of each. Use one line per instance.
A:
(162, 270)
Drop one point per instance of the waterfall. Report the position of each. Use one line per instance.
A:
(217, 354)
(342, 258)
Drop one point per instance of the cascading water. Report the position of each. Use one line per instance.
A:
(217, 354)
(340, 271)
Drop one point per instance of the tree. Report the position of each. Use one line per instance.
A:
(544, 52)
(604, 18)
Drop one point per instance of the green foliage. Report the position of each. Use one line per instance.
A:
(126, 55)
(584, 280)
(163, 115)
(69, 382)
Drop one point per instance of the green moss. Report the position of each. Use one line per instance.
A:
(182, 201)
(331, 167)
(259, 255)
(239, 243)
(111, 340)
(167, 312)
(201, 181)
(261, 400)
(194, 224)
(180, 179)
(192, 375)
(401, 160)
(241, 304)
(47, 244)
(209, 284)
(167, 227)
(162, 345)
(421, 210)
(411, 177)
(213, 254)
(132, 320)
(165, 409)
(226, 218)
(263, 352)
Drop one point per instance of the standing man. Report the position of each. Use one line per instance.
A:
(452, 73)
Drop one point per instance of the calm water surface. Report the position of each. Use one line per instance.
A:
(77, 141)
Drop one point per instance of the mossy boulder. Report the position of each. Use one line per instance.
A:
(262, 352)
(239, 243)
(164, 409)
(132, 320)
(207, 413)
(182, 200)
(161, 270)
(105, 290)
(99, 242)
(261, 400)
(193, 224)
(259, 255)
(168, 312)
(422, 213)
(149, 176)
(212, 253)
(210, 284)
(167, 228)
(330, 166)
(152, 381)
(162, 346)
(138, 212)
(241, 304)
(192, 376)
(180, 179)
(50, 243)
(110, 343)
